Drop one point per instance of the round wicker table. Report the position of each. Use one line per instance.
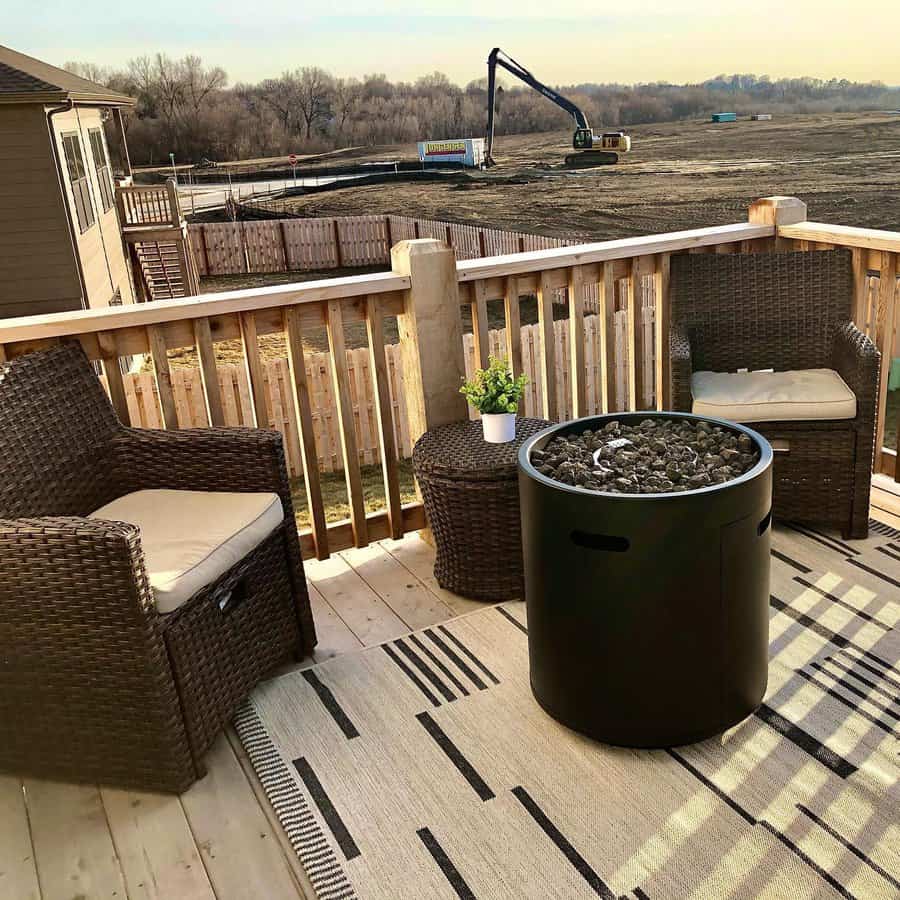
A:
(471, 493)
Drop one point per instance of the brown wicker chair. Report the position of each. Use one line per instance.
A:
(786, 311)
(95, 683)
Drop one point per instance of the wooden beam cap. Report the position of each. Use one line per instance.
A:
(777, 211)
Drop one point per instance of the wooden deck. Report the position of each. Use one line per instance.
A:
(220, 840)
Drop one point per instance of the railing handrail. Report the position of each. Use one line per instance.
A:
(141, 188)
(157, 312)
(602, 251)
(845, 235)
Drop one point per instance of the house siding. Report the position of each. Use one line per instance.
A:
(99, 246)
(38, 272)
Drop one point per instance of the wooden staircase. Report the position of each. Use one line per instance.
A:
(155, 233)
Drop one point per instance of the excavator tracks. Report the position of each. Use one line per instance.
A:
(588, 159)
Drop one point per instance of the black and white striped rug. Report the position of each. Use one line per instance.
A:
(423, 768)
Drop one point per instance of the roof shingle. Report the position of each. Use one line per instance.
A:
(24, 79)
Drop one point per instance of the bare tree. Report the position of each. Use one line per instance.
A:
(281, 95)
(346, 98)
(314, 87)
(200, 82)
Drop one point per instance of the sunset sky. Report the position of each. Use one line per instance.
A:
(563, 41)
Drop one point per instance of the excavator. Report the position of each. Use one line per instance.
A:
(610, 143)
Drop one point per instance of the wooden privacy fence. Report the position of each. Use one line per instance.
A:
(307, 245)
(144, 409)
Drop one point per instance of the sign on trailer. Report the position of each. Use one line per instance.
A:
(467, 151)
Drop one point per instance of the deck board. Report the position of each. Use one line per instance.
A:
(364, 612)
(18, 875)
(155, 846)
(405, 594)
(240, 849)
(73, 848)
(220, 839)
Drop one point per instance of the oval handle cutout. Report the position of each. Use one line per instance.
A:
(609, 542)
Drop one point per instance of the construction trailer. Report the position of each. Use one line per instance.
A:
(761, 117)
(724, 117)
(465, 151)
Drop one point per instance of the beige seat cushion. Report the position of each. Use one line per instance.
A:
(191, 538)
(773, 396)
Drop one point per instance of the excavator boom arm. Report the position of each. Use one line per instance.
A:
(499, 58)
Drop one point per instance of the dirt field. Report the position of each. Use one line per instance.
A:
(680, 175)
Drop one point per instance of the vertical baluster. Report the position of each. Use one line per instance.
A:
(860, 287)
(548, 345)
(254, 369)
(480, 324)
(661, 331)
(608, 335)
(513, 325)
(630, 339)
(109, 356)
(334, 322)
(300, 393)
(886, 318)
(379, 372)
(209, 376)
(157, 340)
(576, 341)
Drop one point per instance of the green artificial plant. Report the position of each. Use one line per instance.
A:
(494, 390)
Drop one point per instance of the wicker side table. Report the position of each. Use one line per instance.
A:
(471, 493)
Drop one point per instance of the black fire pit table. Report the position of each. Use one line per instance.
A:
(648, 613)
(470, 490)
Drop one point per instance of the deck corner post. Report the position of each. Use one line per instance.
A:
(430, 329)
(778, 211)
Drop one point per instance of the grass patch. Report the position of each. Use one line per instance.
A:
(334, 492)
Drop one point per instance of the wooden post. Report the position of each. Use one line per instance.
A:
(661, 332)
(338, 255)
(293, 332)
(334, 326)
(548, 345)
(607, 312)
(778, 211)
(480, 326)
(174, 206)
(884, 327)
(205, 248)
(126, 159)
(430, 328)
(513, 325)
(378, 370)
(576, 341)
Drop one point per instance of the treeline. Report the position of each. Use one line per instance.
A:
(188, 108)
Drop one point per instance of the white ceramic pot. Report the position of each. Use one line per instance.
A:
(499, 428)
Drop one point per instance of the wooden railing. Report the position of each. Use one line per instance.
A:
(876, 308)
(425, 291)
(148, 205)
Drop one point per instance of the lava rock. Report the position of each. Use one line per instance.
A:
(654, 456)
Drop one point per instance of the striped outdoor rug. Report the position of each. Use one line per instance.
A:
(424, 769)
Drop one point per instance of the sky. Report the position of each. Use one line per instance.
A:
(561, 41)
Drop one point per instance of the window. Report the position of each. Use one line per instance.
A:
(81, 186)
(101, 164)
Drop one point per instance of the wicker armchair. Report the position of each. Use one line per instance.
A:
(787, 312)
(95, 683)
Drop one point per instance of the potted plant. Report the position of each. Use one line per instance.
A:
(495, 394)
